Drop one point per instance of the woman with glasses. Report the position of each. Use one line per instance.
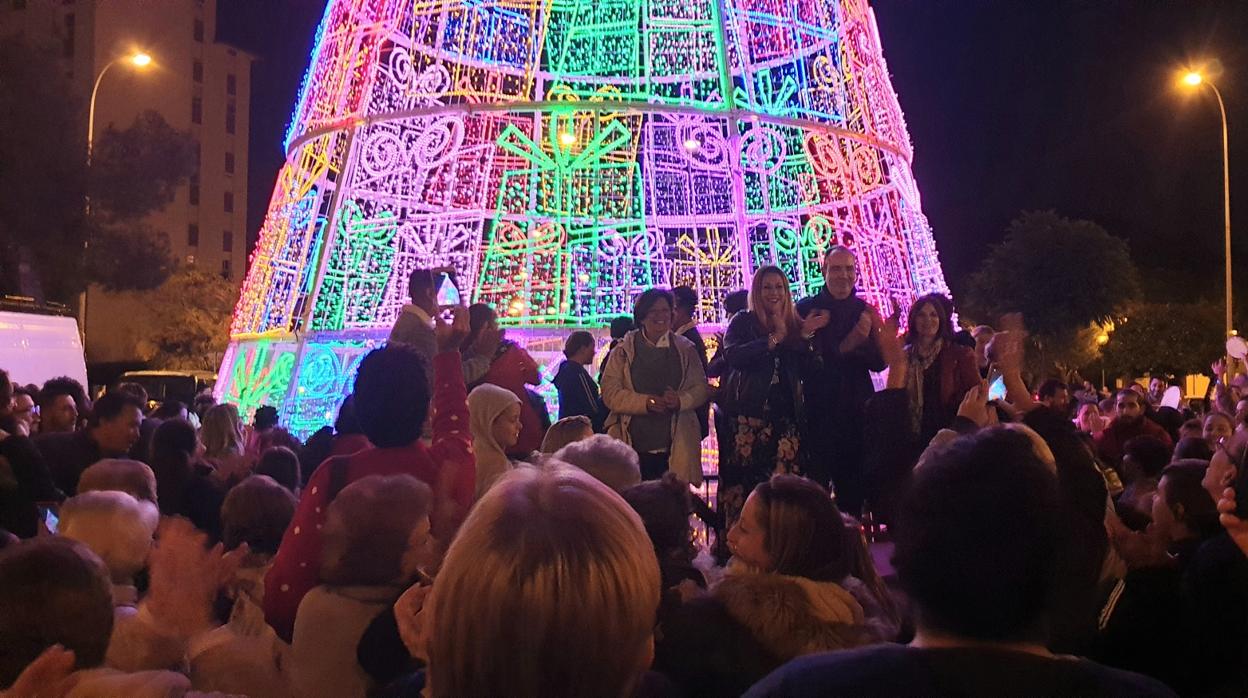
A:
(653, 385)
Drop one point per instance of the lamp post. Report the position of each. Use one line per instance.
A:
(140, 60)
(1195, 79)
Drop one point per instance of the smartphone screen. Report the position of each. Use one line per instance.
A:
(996, 389)
(51, 521)
(447, 291)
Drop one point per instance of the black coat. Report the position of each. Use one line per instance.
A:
(67, 455)
(842, 384)
(746, 386)
(578, 395)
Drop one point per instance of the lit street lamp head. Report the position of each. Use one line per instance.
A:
(141, 60)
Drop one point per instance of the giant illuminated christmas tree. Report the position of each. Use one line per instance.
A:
(563, 155)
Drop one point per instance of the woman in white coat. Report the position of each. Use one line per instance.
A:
(653, 385)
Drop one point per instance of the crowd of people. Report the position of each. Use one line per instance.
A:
(444, 538)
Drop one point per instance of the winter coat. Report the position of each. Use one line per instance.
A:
(750, 365)
(328, 628)
(624, 403)
(843, 384)
(795, 616)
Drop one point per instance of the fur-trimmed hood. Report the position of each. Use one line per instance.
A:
(793, 616)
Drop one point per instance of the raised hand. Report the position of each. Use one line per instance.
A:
(1006, 350)
(975, 404)
(889, 342)
(185, 578)
(867, 321)
(487, 341)
(450, 335)
(1219, 367)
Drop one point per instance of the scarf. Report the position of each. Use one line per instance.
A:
(914, 379)
(485, 403)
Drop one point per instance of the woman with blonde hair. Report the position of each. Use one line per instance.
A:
(761, 394)
(224, 442)
(520, 607)
(792, 549)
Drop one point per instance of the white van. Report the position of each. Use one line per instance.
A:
(35, 347)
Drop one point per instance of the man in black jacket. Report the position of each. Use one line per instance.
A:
(111, 432)
(837, 394)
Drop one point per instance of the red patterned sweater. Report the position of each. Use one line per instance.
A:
(447, 466)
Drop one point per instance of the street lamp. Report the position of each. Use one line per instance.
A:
(138, 60)
(1195, 79)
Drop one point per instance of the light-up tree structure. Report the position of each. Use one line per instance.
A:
(564, 155)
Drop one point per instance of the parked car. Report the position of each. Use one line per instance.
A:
(170, 385)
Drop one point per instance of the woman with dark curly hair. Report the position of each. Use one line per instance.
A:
(941, 370)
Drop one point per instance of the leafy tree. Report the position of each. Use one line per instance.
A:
(137, 171)
(1063, 275)
(1170, 338)
(190, 315)
(128, 257)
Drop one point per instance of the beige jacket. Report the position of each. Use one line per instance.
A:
(624, 403)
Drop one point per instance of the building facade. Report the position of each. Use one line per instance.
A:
(198, 85)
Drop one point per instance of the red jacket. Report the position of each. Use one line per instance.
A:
(515, 369)
(1109, 444)
(447, 466)
(958, 374)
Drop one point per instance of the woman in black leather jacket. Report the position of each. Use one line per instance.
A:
(767, 351)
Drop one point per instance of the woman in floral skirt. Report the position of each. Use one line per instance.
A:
(767, 351)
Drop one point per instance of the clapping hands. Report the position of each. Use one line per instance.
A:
(186, 575)
(868, 321)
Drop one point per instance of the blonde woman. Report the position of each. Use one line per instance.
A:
(520, 607)
(761, 395)
(224, 443)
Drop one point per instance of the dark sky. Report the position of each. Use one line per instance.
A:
(1012, 105)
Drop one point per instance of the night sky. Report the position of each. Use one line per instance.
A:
(1012, 105)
